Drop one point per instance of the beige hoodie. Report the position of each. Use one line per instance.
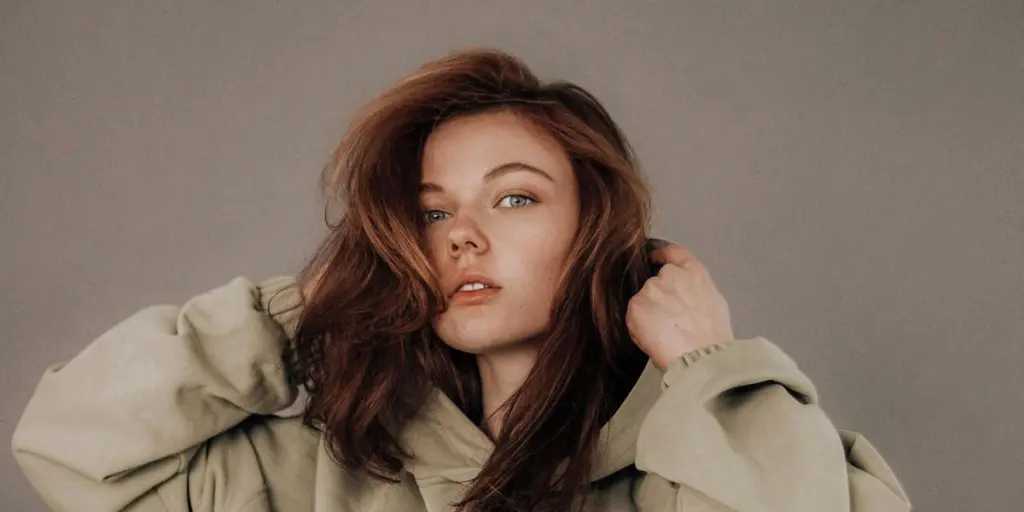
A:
(188, 409)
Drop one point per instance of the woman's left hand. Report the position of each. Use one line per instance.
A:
(678, 310)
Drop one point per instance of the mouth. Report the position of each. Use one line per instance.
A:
(473, 288)
(473, 295)
(469, 283)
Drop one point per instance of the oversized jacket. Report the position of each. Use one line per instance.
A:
(188, 408)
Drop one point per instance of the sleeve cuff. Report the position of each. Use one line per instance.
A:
(736, 363)
(280, 298)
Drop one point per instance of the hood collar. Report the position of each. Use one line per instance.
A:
(447, 446)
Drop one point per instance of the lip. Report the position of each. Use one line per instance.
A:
(473, 297)
(464, 277)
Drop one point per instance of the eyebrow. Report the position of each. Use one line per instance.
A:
(494, 174)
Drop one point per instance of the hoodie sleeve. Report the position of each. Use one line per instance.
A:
(135, 408)
(738, 427)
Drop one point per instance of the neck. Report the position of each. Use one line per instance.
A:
(501, 375)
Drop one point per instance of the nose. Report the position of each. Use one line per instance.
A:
(465, 237)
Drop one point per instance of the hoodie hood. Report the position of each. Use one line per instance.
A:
(448, 449)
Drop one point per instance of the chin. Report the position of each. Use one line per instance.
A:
(476, 342)
(472, 346)
(481, 335)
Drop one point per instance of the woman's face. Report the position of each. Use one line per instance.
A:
(501, 205)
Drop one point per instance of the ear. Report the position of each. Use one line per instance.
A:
(650, 245)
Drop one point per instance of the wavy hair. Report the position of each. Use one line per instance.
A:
(364, 346)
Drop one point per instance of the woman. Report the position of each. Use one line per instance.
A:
(482, 331)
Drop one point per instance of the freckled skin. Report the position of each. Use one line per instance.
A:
(515, 229)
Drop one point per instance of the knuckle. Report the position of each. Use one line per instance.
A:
(670, 271)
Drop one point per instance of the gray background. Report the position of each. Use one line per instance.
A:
(850, 172)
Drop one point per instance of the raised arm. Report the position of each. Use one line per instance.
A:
(738, 428)
(132, 410)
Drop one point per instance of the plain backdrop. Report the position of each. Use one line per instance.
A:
(850, 172)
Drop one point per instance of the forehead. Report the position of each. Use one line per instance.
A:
(479, 142)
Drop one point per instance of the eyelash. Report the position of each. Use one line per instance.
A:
(532, 200)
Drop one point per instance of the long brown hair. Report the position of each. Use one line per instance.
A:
(364, 346)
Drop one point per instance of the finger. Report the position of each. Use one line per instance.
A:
(675, 254)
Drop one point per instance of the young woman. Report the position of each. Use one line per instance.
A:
(482, 330)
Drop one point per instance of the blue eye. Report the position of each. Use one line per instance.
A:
(508, 201)
(430, 216)
(517, 200)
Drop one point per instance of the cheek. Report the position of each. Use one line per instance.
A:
(536, 260)
(547, 243)
(433, 244)
(539, 272)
